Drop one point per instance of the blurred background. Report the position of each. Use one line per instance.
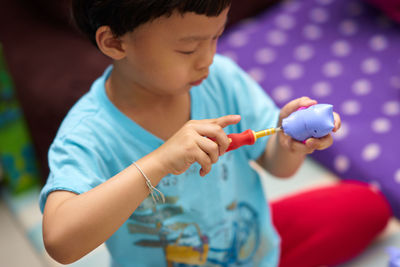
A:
(341, 52)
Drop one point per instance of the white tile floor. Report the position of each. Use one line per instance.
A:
(17, 251)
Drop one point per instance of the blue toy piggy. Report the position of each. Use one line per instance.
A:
(394, 254)
(315, 121)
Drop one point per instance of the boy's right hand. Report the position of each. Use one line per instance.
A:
(190, 145)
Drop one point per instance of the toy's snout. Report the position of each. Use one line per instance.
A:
(314, 121)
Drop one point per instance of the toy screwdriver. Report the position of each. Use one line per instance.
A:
(313, 121)
(248, 137)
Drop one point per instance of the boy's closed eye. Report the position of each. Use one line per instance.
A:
(192, 51)
(187, 52)
(188, 48)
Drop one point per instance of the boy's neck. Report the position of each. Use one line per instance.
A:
(128, 96)
(160, 115)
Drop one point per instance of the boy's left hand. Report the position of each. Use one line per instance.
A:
(311, 144)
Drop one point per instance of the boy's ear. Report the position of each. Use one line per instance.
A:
(109, 44)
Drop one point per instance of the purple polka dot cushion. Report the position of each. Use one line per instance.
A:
(341, 52)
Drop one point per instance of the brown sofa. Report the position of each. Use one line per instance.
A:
(52, 65)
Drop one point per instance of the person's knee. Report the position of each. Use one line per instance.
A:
(366, 205)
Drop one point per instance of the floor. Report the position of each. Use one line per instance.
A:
(20, 228)
(13, 243)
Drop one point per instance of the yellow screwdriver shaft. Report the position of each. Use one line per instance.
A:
(266, 132)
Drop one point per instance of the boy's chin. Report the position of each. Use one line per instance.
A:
(178, 91)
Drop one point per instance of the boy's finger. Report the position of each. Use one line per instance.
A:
(205, 162)
(337, 121)
(227, 120)
(319, 143)
(300, 147)
(215, 133)
(293, 105)
(210, 147)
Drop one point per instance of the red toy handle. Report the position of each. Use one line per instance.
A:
(240, 139)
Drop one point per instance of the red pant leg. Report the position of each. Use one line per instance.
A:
(329, 225)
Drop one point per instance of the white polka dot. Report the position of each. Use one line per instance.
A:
(332, 69)
(378, 42)
(370, 65)
(238, 39)
(371, 152)
(351, 107)
(293, 71)
(354, 9)
(361, 87)
(285, 22)
(341, 48)
(381, 125)
(265, 56)
(348, 27)
(303, 52)
(391, 108)
(324, 2)
(282, 93)
(375, 186)
(319, 15)
(397, 176)
(276, 37)
(341, 163)
(232, 55)
(321, 89)
(312, 32)
(343, 131)
(395, 82)
(257, 74)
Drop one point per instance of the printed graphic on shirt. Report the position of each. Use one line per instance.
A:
(189, 243)
(171, 180)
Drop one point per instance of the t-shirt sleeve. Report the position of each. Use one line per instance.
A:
(74, 167)
(246, 98)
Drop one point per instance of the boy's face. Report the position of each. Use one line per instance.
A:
(169, 55)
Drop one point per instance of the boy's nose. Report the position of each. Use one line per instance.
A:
(205, 62)
(206, 59)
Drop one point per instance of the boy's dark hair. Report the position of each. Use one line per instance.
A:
(124, 16)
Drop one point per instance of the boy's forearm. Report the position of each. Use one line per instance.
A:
(83, 222)
(278, 160)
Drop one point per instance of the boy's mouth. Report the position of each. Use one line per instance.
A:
(198, 82)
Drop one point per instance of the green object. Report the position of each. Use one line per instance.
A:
(17, 155)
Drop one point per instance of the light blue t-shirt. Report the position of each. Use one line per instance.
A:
(222, 219)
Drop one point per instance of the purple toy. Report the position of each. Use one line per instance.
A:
(315, 121)
(394, 256)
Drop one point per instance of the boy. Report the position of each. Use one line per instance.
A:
(165, 93)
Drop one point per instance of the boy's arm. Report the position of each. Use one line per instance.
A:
(278, 159)
(74, 225)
